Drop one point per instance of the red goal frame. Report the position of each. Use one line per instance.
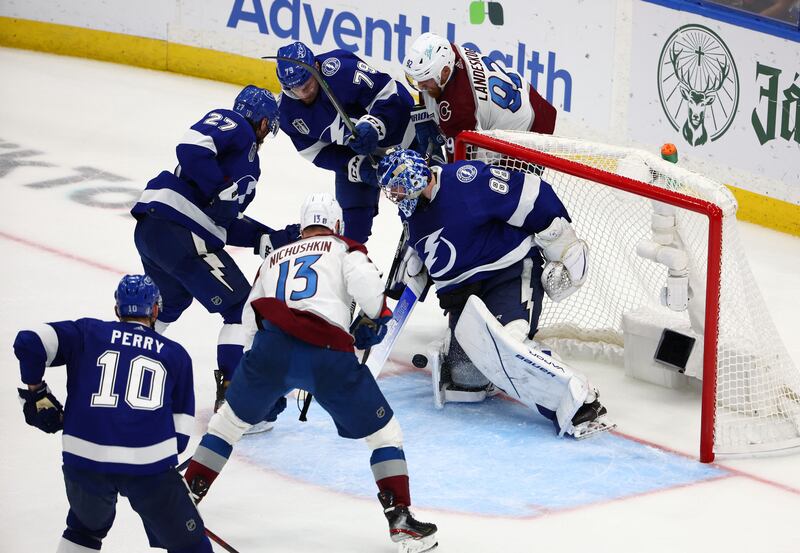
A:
(714, 271)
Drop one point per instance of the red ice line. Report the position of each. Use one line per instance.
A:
(60, 253)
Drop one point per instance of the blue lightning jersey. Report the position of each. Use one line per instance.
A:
(216, 152)
(130, 395)
(481, 220)
(317, 130)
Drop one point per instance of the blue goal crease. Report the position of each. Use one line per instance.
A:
(509, 459)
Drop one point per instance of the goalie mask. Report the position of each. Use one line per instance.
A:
(322, 209)
(403, 175)
(255, 104)
(426, 58)
(136, 295)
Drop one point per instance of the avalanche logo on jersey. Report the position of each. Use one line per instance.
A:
(330, 66)
(301, 126)
(431, 247)
(444, 111)
(467, 173)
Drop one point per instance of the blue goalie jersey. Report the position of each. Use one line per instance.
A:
(219, 150)
(130, 396)
(481, 219)
(318, 132)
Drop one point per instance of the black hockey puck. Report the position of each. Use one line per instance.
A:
(419, 361)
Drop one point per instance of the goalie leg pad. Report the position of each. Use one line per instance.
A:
(524, 373)
(443, 389)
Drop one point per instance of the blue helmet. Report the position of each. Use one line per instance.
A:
(136, 295)
(403, 175)
(290, 74)
(256, 104)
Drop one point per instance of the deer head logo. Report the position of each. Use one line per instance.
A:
(698, 84)
(697, 99)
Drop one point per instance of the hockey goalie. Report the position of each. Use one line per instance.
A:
(494, 242)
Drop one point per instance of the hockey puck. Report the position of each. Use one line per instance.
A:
(419, 361)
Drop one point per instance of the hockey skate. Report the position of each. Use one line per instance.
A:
(411, 535)
(590, 420)
(222, 386)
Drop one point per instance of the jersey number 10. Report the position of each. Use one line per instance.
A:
(135, 395)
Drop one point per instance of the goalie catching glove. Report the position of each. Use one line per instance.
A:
(567, 259)
(42, 409)
(369, 332)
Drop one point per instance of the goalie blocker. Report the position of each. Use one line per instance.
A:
(530, 375)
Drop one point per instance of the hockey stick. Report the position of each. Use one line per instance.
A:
(328, 92)
(219, 541)
(211, 535)
(415, 291)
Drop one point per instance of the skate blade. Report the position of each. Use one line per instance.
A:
(591, 428)
(428, 543)
(259, 428)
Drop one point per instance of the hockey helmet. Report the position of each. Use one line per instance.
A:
(255, 104)
(426, 58)
(322, 209)
(136, 295)
(292, 75)
(403, 175)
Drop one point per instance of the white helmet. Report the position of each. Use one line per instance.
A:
(322, 209)
(426, 58)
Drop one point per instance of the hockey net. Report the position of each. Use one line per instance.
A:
(750, 386)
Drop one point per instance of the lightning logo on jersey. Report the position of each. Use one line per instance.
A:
(216, 265)
(432, 242)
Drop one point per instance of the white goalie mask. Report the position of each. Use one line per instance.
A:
(426, 58)
(322, 209)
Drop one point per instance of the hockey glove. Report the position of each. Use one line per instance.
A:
(370, 332)
(430, 139)
(277, 239)
(224, 208)
(359, 169)
(42, 409)
(567, 259)
(199, 479)
(369, 130)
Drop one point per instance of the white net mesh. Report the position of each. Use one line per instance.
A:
(758, 386)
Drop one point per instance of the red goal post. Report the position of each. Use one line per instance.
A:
(743, 411)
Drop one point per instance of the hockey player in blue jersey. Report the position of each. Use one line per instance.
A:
(129, 413)
(380, 106)
(297, 319)
(186, 217)
(505, 238)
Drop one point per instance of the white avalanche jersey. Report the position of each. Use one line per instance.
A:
(483, 94)
(321, 275)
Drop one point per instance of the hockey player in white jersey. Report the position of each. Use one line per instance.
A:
(494, 242)
(296, 322)
(464, 90)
